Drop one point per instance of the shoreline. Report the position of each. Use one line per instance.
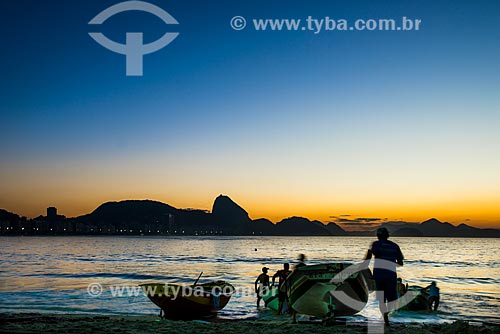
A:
(159, 236)
(85, 323)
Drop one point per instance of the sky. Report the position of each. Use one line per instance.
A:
(397, 125)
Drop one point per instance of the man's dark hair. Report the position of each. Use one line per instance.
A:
(286, 265)
(382, 233)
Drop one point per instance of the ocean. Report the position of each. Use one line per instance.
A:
(53, 274)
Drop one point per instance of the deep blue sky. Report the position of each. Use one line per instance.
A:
(247, 112)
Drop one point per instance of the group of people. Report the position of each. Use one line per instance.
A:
(263, 282)
(389, 287)
(431, 291)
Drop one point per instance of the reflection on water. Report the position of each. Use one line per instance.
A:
(52, 273)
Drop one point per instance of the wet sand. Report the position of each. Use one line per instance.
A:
(56, 323)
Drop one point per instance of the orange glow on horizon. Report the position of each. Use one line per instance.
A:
(481, 214)
(79, 187)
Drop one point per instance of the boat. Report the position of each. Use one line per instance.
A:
(189, 302)
(417, 297)
(329, 290)
(271, 300)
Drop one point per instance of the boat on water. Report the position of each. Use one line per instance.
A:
(416, 298)
(329, 290)
(189, 302)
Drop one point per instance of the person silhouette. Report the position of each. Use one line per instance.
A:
(387, 256)
(282, 285)
(302, 261)
(262, 285)
(433, 296)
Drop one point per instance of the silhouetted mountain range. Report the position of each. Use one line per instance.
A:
(227, 218)
(7, 216)
(435, 228)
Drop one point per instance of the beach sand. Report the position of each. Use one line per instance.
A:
(56, 323)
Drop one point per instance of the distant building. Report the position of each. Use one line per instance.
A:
(51, 213)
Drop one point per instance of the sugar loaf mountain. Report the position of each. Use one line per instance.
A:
(146, 217)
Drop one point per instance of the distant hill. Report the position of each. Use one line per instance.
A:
(146, 214)
(300, 226)
(435, 228)
(7, 216)
(227, 217)
(130, 211)
(407, 232)
(334, 229)
(262, 226)
(230, 216)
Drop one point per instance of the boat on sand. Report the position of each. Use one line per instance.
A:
(270, 298)
(189, 302)
(326, 290)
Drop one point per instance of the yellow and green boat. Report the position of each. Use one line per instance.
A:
(189, 302)
(329, 290)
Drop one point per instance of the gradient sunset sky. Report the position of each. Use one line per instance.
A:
(396, 125)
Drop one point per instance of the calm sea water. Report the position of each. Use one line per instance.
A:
(51, 274)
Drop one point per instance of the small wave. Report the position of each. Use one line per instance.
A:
(130, 276)
(471, 280)
(459, 264)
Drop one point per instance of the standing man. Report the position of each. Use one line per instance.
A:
(282, 285)
(387, 257)
(262, 285)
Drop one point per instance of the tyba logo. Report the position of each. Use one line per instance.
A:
(134, 49)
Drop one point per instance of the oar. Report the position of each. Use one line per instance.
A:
(198, 279)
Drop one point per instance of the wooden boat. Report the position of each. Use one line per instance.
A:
(271, 298)
(418, 299)
(320, 291)
(189, 302)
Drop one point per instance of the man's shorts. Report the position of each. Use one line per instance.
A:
(387, 285)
